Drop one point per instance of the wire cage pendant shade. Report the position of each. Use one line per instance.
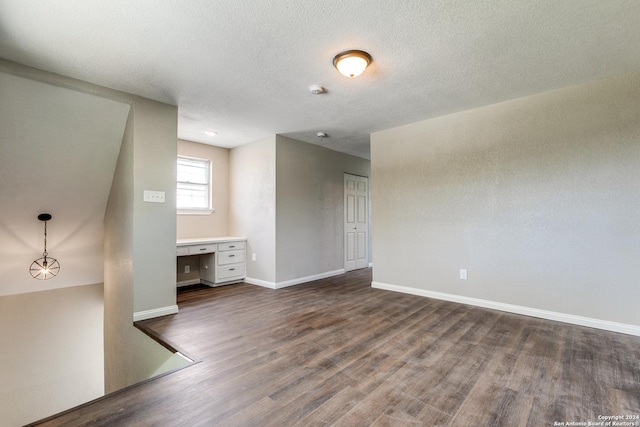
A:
(44, 267)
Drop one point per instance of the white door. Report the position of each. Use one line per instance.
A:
(356, 222)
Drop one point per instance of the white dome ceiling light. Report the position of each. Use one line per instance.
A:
(352, 63)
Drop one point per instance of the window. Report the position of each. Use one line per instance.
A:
(194, 185)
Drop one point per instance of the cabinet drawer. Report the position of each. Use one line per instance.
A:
(230, 271)
(230, 257)
(202, 249)
(230, 246)
(182, 250)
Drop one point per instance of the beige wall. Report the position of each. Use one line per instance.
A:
(52, 352)
(538, 198)
(216, 224)
(310, 207)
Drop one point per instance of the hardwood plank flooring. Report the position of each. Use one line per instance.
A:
(336, 352)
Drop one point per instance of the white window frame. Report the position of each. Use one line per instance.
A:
(208, 185)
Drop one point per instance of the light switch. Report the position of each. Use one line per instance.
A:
(153, 196)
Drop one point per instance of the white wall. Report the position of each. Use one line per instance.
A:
(216, 224)
(252, 204)
(310, 207)
(538, 198)
(58, 150)
(52, 352)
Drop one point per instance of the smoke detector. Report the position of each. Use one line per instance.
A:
(316, 89)
(321, 135)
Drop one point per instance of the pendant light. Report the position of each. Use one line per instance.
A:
(352, 63)
(45, 267)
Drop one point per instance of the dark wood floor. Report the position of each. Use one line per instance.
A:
(337, 352)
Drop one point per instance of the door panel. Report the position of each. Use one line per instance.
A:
(350, 250)
(362, 209)
(351, 209)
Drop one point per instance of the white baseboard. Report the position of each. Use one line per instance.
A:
(517, 309)
(156, 312)
(188, 282)
(292, 282)
(306, 279)
(258, 282)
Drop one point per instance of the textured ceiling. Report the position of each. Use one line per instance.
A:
(243, 67)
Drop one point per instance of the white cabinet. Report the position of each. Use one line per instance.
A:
(230, 262)
(202, 249)
(222, 259)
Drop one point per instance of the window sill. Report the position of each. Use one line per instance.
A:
(196, 211)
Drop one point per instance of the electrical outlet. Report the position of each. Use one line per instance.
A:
(463, 274)
(187, 269)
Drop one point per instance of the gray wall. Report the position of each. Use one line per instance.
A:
(154, 227)
(252, 204)
(310, 207)
(140, 264)
(286, 196)
(538, 198)
(135, 254)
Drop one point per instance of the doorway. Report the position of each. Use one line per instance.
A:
(356, 222)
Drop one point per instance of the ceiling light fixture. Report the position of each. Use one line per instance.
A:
(210, 133)
(46, 267)
(352, 63)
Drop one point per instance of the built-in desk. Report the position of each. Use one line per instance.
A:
(222, 259)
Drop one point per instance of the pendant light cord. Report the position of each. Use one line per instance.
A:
(44, 254)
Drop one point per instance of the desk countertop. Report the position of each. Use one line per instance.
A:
(207, 240)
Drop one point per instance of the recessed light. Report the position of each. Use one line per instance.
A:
(210, 133)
